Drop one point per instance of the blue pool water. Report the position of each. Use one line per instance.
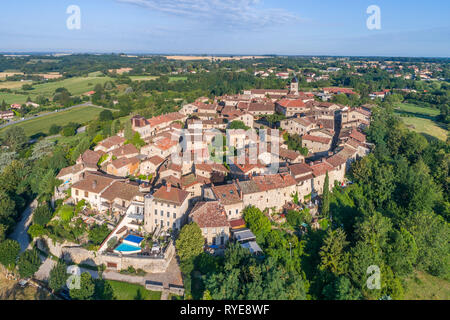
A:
(123, 247)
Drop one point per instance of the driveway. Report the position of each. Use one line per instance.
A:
(20, 233)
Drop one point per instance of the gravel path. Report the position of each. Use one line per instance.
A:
(20, 233)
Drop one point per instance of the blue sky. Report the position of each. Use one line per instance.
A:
(303, 27)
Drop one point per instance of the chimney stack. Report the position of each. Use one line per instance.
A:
(169, 187)
(94, 184)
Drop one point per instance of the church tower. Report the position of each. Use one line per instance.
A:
(294, 86)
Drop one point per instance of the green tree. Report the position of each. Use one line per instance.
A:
(58, 276)
(28, 263)
(258, 223)
(105, 115)
(190, 242)
(326, 196)
(42, 215)
(15, 138)
(9, 250)
(86, 290)
(333, 256)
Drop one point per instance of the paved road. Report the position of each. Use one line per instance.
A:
(86, 104)
(20, 233)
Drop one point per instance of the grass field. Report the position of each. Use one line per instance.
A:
(174, 79)
(76, 86)
(422, 286)
(43, 124)
(422, 120)
(426, 126)
(13, 84)
(415, 109)
(129, 291)
(143, 78)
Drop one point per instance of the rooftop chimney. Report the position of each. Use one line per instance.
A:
(169, 187)
(94, 184)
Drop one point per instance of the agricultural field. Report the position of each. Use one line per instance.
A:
(143, 78)
(129, 291)
(422, 120)
(174, 79)
(76, 86)
(43, 124)
(422, 286)
(5, 74)
(13, 84)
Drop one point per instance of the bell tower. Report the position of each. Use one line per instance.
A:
(294, 86)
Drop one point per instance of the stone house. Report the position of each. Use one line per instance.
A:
(166, 208)
(210, 216)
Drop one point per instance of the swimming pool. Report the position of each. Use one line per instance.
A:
(127, 249)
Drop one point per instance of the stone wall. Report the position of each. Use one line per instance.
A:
(71, 252)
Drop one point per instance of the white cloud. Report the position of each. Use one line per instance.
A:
(232, 13)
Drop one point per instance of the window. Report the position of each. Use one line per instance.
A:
(156, 212)
(174, 215)
(168, 223)
(76, 192)
(86, 194)
(168, 214)
(162, 223)
(156, 221)
(162, 213)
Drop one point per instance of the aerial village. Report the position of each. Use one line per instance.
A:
(175, 178)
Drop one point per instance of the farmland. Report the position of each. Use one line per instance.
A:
(43, 124)
(174, 79)
(143, 78)
(76, 86)
(422, 120)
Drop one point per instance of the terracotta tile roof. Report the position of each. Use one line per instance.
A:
(169, 117)
(121, 190)
(347, 152)
(122, 162)
(171, 194)
(299, 169)
(156, 160)
(209, 214)
(321, 168)
(322, 140)
(70, 170)
(289, 154)
(125, 150)
(336, 160)
(361, 137)
(90, 157)
(211, 167)
(287, 103)
(93, 183)
(255, 107)
(165, 143)
(275, 181)
(111, 141)
(226, 194)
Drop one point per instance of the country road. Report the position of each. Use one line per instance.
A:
(86, 104)
(20, 232)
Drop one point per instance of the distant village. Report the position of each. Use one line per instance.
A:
(172, 180)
